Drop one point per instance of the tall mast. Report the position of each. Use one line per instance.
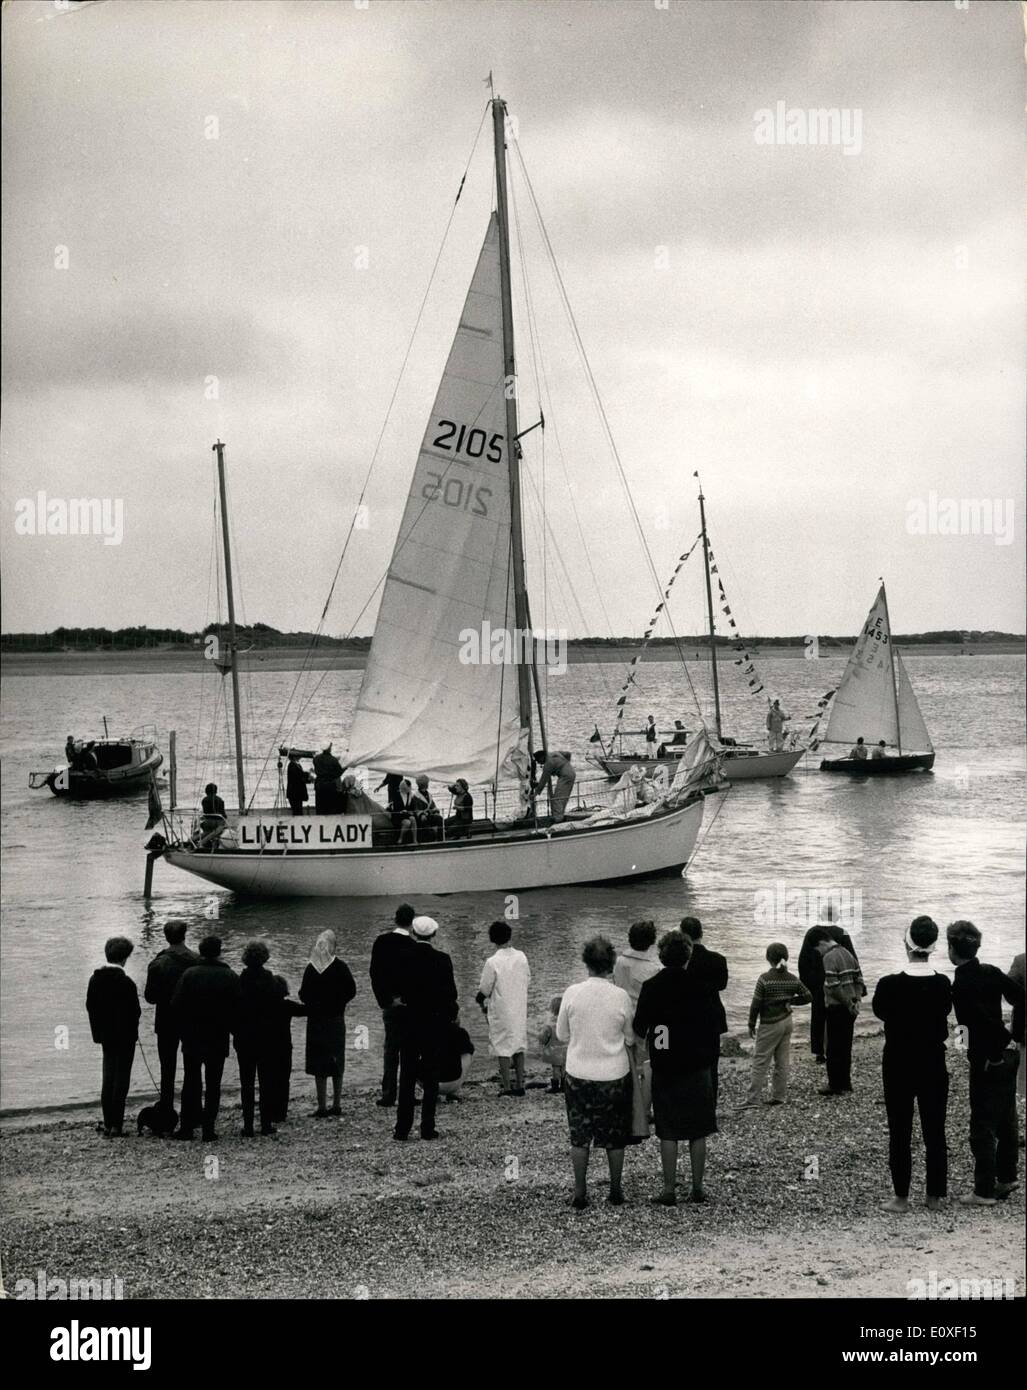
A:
(521, 613)
(709, 608)
(233, 655)
(891, 658)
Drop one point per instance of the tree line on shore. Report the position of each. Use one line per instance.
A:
(262, 635)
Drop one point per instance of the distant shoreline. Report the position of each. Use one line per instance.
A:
(174, 662)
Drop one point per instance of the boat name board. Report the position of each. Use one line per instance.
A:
(306, 833)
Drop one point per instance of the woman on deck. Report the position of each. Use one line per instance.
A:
(327, 988)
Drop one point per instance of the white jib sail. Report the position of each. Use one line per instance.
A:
(915, 738)
(864, 703)
(437, 695)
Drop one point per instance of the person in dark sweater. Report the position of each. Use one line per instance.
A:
(677, 1014)
(205, 1002)
(711, 968)
(428, 989)
(388, 955)
(914, 1007)
(112, 1003)
(977, 994)
(328, 986)
(162, 977)
(262, 1023)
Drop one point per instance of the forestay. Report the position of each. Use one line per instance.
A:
(422, 708)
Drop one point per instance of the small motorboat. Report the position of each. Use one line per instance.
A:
(104, 767)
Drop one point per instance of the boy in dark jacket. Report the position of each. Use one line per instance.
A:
(112, 1003)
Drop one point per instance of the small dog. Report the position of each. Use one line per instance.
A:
(157, 1119)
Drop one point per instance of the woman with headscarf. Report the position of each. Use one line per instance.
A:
(327, 988)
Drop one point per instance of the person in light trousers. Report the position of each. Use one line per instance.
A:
(777, 992)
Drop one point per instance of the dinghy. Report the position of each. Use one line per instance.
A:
(875, 702)
(424, 707)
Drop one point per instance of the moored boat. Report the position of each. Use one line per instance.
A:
(98, 769)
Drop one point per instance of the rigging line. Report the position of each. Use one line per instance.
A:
(590, 378)
(211, 573)
(546, 404)
(377, 448)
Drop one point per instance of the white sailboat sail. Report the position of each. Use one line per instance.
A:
(432, 700)
(864, 703)
(915, 737)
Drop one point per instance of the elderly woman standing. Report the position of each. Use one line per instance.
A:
(674, 1014)
(595, 1023)
(327, 988)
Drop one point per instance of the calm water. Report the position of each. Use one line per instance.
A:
(950, 844)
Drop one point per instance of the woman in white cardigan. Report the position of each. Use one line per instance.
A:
(595, 1022)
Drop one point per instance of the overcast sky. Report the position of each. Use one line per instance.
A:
(827, 336)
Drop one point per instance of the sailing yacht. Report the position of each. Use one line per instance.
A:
(876, 702)
(741, 762)
(457, 564)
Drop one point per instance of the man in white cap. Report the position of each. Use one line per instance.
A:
(428, 990)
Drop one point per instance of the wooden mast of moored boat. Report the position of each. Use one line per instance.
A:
(522, 618)
(891, 660)
(709, 607)
(233, 656)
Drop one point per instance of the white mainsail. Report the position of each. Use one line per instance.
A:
(432, 699)
(865, 704)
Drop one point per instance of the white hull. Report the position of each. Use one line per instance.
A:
(637, 849)
(746, 767)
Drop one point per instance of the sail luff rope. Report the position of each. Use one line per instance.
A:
(590, 378)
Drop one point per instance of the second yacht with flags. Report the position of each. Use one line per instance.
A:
(430, 705)
(741, 762)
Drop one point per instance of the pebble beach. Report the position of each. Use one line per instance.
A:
(337, 1209)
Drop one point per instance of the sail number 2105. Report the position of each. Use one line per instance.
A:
(457, 492)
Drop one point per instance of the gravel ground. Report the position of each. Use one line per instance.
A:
(335, 1208)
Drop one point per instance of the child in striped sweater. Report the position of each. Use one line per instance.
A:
(777, 992)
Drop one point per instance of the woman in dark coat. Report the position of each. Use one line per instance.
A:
(327, 988)
(811, 973)
(674, 1014)
(263, 1039)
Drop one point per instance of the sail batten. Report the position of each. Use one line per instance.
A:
(872, 701)
(432, 700)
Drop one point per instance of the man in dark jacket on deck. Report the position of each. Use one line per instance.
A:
(162, 977)
(711, 968)
(112, 1003)
(205, 1002)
